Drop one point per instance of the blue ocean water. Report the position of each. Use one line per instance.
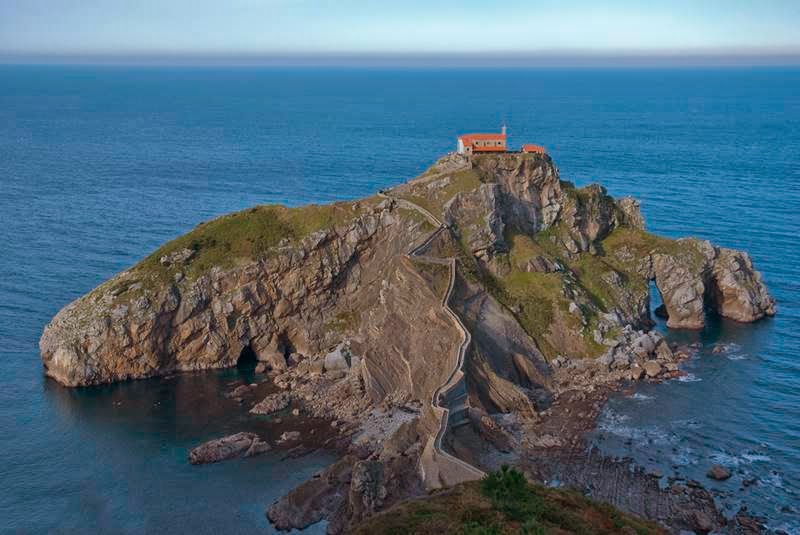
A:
(100, 165)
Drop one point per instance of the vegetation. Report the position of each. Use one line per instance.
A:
(343, 322)
(504, 503)
(246, 235)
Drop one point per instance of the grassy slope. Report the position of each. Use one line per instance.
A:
(504, 504)
(244, 236)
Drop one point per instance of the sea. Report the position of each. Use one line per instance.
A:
(100, 165)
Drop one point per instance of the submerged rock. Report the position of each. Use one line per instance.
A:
(718, 472)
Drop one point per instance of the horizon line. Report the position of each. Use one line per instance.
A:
(544, 58)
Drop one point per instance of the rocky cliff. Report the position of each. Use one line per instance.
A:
(549, 278)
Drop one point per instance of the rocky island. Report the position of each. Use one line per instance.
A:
(474, 316)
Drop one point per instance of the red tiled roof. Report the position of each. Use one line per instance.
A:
(468, 138)
(529, 147)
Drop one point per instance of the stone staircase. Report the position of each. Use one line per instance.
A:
(449, 402)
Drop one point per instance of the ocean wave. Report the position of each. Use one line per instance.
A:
(689, 378)
(684, 457)
(727, 459)
(638, 396)
(773, 479)
(756, 457)
(640, 436)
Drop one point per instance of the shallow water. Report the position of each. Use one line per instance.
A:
(98, 166)
(729, 410)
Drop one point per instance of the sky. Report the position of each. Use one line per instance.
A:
(409, 28)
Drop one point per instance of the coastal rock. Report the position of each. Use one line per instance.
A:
(737, 290)
(718, 472)
(318, 498)
(636, 373)
(682, 288)
(272, 403)
(178, 257)
(336, 360)
(367, 488)
(238, 445)
(696, 276)
(631, 212)
(652, 368)
(289, 436)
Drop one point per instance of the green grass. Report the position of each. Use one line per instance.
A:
(642, 243)
(235, 239)
(344, 322)
(504, 503)
(536, 294)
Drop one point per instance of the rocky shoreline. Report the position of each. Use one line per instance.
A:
(545, 300)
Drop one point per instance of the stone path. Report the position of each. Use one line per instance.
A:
(438, 468)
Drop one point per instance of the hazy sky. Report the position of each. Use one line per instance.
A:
(399, 26)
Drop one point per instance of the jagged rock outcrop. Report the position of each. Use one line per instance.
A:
(696, 276)
(272, 305)
(681, 283)
(221, 449)
(737, 291)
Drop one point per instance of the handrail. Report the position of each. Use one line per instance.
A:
(457, 373)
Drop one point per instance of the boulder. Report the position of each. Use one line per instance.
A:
(636, 372)
(663, 351)
(652, 368)
(288, 436)
(643, 346)
(178, 257)
(701, 522)
(272, 403)
(336, 360)
(718, 472)
(238, 445)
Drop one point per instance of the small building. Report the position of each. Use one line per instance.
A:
(471, 143)
(528, 147)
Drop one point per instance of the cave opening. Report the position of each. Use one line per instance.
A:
(247, 359)
(657, 309)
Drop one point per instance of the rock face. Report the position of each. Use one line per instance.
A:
(238, 445)
(305, 294)
(737, 291)
(698, 276)
(271, 305)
